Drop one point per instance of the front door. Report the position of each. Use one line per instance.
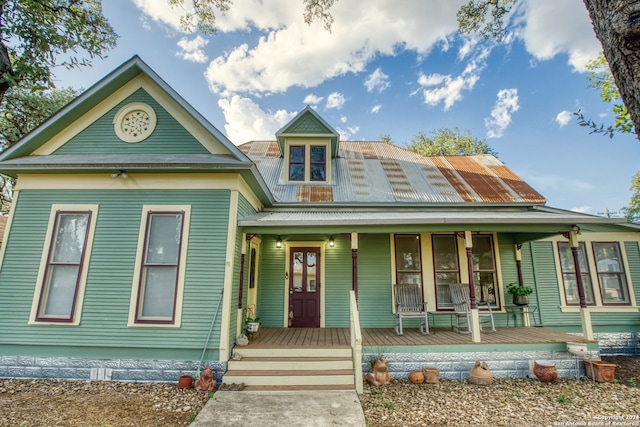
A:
(304, 288)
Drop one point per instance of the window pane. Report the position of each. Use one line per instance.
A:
(484, 269)
(318, 173)
(159, 292)
(61, 291)
(70, 238)
(445, 260)
(613, 282)
(164, 239)
(408, 253)
(296, 154)
(318, 154)
(296, 172)
(569, 274)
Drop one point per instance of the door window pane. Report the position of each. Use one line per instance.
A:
(297, 271)
(311, 271)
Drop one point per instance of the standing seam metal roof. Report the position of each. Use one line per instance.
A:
(380, 172)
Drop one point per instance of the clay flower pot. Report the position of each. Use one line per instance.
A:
(545, 373)
(416, 377)
(185, 381)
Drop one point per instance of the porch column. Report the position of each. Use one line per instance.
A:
(354, 264)
(585, 315)
(518, 250)
(243, 251)
(475, 318)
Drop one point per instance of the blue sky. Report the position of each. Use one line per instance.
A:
(397, 71)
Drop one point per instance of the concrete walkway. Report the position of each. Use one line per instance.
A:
(281, 408)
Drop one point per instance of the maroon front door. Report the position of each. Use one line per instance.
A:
(304, 288)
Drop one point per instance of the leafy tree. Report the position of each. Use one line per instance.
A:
(447, 142)
(633, 210)
(615, 25)
(38, 35)
(21, 112)
(600, 78)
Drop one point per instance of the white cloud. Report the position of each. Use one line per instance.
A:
(376, 108)
(295, 54)
(348, 133)
(343, 119)
(563, 117)
(377, 81)
(582, 209)
(448, 89)
(335, 100)
(246, 121)
(559, 26)
(312, 99)
(162, 12)
(500, 119)
(193, 50)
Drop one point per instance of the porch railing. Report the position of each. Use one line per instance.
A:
(356, 341)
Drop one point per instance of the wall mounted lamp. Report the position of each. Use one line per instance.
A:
(122, 173)
(331, 242)
(278, 242)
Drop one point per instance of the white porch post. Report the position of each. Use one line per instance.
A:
(585, 315)
(243, 253)
(475, 317)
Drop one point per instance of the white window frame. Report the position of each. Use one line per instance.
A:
(589, 239)
(134, 320)
(36, 317)
(307, 143)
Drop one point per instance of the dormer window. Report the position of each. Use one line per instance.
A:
(307, 162)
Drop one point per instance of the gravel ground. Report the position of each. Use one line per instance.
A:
(523, 402)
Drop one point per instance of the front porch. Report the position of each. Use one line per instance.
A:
(387, 337)
(314, 353)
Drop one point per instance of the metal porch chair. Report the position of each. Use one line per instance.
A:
(462, 308)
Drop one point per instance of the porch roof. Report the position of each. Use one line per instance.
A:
(428, 216)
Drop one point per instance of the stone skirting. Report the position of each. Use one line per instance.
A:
(69, 368)
(456, 366)
(625, 343)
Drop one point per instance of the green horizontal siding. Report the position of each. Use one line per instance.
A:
(110, 271)
(169, 137)
(270, 283)
(338, 283)
(374, 282)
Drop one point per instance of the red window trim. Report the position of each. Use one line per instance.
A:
(138, 319)
(45, 285)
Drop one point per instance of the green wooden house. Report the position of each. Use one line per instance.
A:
(141, 240)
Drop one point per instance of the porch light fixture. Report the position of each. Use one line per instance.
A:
(331, 242)
(122, 173)
(278, 242)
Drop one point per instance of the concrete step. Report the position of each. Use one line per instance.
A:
(291, 378)
(292, 351)
(291, 363)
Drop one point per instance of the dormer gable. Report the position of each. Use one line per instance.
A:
(307, 144)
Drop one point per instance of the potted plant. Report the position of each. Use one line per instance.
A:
(520, 293)
(252, 325)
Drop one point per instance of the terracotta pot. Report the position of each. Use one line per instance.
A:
(416, 377)
(545, 373)
(600, 371)
(185, 381)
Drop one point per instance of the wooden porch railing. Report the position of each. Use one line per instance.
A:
(356, 341)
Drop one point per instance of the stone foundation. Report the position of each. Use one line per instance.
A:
(101, 369)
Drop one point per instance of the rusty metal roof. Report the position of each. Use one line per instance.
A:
(378, 172)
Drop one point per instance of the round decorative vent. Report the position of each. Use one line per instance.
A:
(134, 122)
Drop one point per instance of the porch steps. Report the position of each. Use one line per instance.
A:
(279, 368)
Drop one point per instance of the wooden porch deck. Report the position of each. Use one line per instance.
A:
(375, 337)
